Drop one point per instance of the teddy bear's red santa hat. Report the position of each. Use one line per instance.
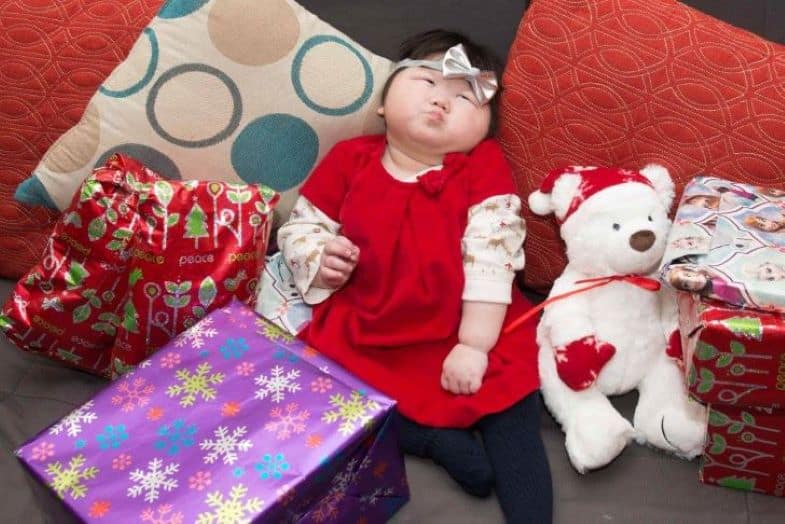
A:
(592, 181)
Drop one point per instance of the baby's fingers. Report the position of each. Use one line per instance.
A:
(445, 382)
(332, 277)
(474, 385)
(464, 386)
(449, 384)
(342, 247)
(338, 264)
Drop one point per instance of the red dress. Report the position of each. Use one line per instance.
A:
(397, 317)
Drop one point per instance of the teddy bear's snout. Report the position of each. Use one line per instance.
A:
(642, 240)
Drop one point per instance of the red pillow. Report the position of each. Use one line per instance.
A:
(53, 56)
(629, 82)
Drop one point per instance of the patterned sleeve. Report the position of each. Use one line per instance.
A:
(314, 218)
(301, 240)
(492, 249)
(492, 244)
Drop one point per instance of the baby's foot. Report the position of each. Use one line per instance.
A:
(456, 450)
(464, 458)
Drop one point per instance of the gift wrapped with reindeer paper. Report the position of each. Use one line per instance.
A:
(232, 421)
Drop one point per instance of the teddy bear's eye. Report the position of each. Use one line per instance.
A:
(616, 227)
(650, 220)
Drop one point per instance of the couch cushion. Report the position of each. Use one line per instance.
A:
(53, 55)
(249, 90)
(629, 82)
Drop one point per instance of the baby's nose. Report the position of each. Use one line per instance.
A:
(440, 101)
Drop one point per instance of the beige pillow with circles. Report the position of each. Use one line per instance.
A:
(251, 90)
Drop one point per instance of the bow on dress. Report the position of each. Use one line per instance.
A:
(456, 64)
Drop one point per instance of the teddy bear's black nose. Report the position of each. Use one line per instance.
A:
(642, 240)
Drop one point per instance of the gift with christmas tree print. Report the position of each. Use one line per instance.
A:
(198, 245)
(69, 306)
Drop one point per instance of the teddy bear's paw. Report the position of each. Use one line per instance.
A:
(594, 439)
(680, 431)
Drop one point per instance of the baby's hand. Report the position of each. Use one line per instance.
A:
(464, 369)
(339, 259)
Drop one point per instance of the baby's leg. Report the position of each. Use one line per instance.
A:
(457, 450)
(523, 477)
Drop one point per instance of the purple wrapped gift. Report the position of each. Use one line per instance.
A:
(232, 421)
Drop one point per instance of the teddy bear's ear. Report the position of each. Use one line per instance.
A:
(661, 180)
(558, 200)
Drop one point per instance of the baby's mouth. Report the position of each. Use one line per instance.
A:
(435, 116)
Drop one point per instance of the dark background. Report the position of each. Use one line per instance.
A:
(380, 25)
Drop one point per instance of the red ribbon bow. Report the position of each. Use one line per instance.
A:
(433, 181)
(649, 284)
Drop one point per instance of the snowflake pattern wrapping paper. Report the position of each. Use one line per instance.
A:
(232, 421)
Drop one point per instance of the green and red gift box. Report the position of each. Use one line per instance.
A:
(736, 364)
(730, 271)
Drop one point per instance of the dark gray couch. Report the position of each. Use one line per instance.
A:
(642, 486)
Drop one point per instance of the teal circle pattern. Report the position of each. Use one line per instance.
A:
(297, 64)
(180, 8)
(148, 75)
(150, 157)
(237, 109)
(32, 192)
(277, 150)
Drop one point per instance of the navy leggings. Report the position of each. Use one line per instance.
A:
(513, 460)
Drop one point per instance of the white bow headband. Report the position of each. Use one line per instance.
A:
(456, 64)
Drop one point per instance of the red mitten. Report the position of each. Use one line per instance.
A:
(674, 349)
(579, 362)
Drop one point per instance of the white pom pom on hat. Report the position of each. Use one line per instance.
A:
(540, 203)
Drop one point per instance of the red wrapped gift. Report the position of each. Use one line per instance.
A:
(134, 261)
(68, 306)
(745, 449)
(726, 253)
(735, 360)
(734, 356)
(198, 245)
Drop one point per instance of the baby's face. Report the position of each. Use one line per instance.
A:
(424, 111)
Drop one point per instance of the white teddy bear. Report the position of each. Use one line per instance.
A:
(614, 336)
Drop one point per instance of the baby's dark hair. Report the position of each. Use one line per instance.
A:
(438, 41)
